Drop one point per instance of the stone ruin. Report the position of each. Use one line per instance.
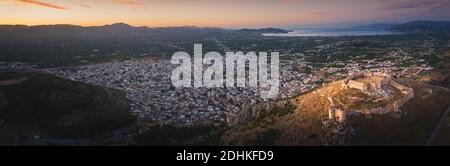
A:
(369, 82)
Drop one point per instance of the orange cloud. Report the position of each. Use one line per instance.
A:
(319, 13)
(128, 2)
(45, 4)
(82, 5)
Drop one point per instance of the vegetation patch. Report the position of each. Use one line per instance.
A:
(64, 108)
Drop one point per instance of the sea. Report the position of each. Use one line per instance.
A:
(333, 33)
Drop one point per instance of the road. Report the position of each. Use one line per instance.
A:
(436, 129)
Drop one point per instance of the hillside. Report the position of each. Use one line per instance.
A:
(306, 124)
(59, 108)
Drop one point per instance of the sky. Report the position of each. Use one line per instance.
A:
(221, 13)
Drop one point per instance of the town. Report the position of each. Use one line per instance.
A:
(235, 65)
(147, 82)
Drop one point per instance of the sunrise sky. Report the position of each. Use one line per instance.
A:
(221, 13)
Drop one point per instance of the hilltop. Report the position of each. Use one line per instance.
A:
(306, 123)
(48, 107)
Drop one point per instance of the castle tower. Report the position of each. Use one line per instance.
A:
(331, 113)
(341, 115)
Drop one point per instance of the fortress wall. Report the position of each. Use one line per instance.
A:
(353, 76)
(408, 95)
(379, 110)
(375, 74)
(399, 103)
(342, 115)
(343, 83)
(379, 83)
(420, 70)
(385, 81)
(356, 85)
(397, 85)
(350, 83)
(407, 92)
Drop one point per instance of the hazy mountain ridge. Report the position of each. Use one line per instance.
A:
(121, 29)
(413, 26)
(379, 26)
(423, 26)
(263, 30)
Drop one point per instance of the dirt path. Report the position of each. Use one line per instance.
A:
(436, 129)
(12, 81)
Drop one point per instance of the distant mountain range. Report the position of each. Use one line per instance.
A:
(122, 29)
(380, 26)
(423, 26)
(125, 30)
(113, 30)
(415, 26)
(263, 30)
(66, 45)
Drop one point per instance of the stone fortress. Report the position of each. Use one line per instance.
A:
(370, 83)
(366, 81)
